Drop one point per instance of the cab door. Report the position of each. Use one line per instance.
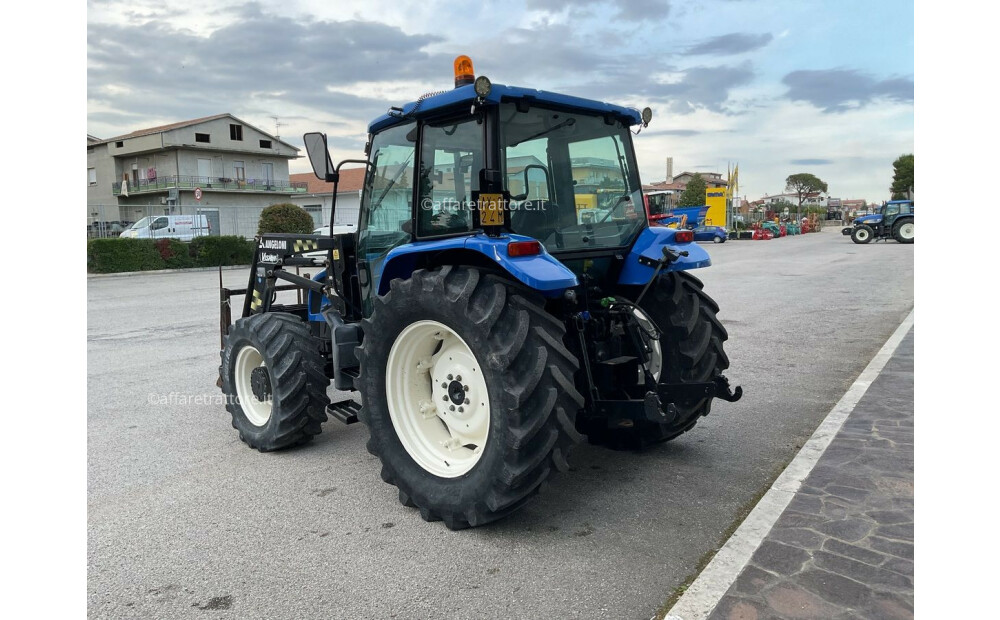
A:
(386, 205)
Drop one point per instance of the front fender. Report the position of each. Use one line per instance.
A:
(541, 272)
(650, 244)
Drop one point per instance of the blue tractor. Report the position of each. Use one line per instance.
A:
(893, 221)
(485, 324)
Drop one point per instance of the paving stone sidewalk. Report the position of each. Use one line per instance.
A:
(843, 549)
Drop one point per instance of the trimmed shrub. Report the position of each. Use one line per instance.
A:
(285, 218)
(175, 254)
(118, 255)
(216, 251)
(114, 255)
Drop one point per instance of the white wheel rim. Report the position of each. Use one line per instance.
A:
(257, 411)
(655, 363)
(438, 399)
(862, 234)
(906, 230)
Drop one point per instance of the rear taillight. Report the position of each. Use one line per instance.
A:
(684, 236)
(523, 248)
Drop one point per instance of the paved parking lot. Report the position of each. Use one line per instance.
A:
(185, 520)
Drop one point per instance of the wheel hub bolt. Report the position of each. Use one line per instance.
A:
(452, 408)
(444, 385)
(459, 378)
(445, 397)
(461, 410)
(467, 401)
(451, 378)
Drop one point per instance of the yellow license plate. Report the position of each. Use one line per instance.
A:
(491, 209)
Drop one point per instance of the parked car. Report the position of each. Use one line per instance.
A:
(715, 234)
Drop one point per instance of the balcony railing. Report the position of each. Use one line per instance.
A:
(223, 184)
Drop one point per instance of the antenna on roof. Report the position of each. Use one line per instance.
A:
(276, 126)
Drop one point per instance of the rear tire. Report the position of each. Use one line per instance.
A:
(421, 336)
(274, 353)
(692, 352)
(902, 231)
(862, 234)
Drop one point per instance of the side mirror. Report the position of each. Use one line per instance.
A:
(319, 156)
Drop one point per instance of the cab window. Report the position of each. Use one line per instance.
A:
(451, 158)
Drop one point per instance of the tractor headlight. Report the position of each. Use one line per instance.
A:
(482, 86)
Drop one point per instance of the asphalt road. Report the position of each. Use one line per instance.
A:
(186, 521)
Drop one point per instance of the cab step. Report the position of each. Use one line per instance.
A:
(346, 411)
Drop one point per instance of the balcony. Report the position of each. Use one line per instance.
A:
(214, 184)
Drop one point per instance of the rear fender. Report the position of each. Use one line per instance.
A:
(541, 272)
(650, 244)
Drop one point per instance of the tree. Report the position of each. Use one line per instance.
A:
(803, 184)
(285, 218)
(694, 194)
(902, 177)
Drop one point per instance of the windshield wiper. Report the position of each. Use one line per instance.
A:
(399, 173)
(569, 122)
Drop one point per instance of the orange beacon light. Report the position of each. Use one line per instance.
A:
(464, 73)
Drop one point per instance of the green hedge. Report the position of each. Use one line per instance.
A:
(215, 251)
(118, 255)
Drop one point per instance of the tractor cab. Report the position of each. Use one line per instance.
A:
(497, 175)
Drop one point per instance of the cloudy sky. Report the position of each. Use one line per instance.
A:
(780, 86)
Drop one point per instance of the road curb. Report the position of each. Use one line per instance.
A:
(704, 594)
(156, 271)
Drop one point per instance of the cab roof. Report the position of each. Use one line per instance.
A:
(465, 95)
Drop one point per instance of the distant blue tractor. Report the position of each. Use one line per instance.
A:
(893, 221)
(486, 324)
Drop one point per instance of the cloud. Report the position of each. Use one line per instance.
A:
(811, 162)
(728, 44)
(703, 87)
(837, 90)
(156, 70)
(628, 10)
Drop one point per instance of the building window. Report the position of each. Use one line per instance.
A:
(202, 137)
(91, 176)
(119, 144)
(265, 144)
(236, 132)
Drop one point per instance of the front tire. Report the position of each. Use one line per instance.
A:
(862, 234)
(902, 231)
(690, 351)
(474, 466)
(272, 375)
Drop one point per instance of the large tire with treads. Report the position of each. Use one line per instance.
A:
(691, 349)
(902, 230)
(862, 234)
(274, 353)
(453, 342)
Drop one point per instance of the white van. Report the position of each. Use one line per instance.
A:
(183, 227)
